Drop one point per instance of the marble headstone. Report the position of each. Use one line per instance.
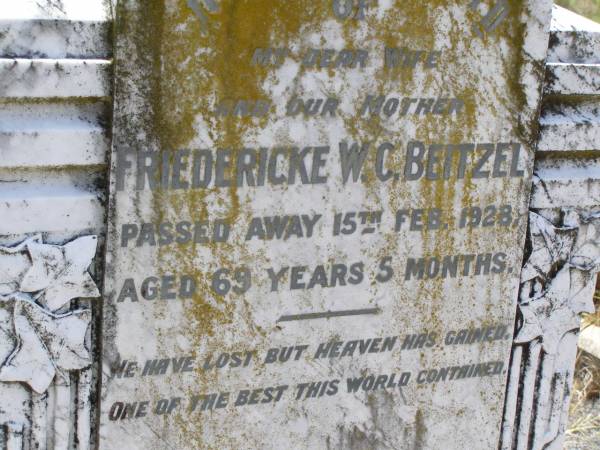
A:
(317, 220)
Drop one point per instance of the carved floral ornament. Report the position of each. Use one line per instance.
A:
(37, 283)
(558, 273)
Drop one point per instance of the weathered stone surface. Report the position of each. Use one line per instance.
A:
(57, 212)
(54, 75)
(42, 201)
(56, 135)
(557, 285)
(48, 10)
(60, 38)
(190, 86)
(566, 182)
(570, 117)
(573, 38)
(570, 128)
(572, 79)
(48, 78)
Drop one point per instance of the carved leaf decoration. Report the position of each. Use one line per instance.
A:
(47, 344)
(586, 255)
(29, 362)
(581, 299)
(35, 280)
(14, 262)
(531, 328)
(572, 251)
(550, 246)
(59, 273)
(557, 310)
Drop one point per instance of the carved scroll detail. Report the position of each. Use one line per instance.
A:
(557, 284)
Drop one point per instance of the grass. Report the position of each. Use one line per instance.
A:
(583, 432)
(587, 8)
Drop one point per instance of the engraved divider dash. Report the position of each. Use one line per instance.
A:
(329, 314)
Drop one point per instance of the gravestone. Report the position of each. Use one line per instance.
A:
(317, 221)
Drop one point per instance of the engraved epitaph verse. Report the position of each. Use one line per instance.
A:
(316, 221)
